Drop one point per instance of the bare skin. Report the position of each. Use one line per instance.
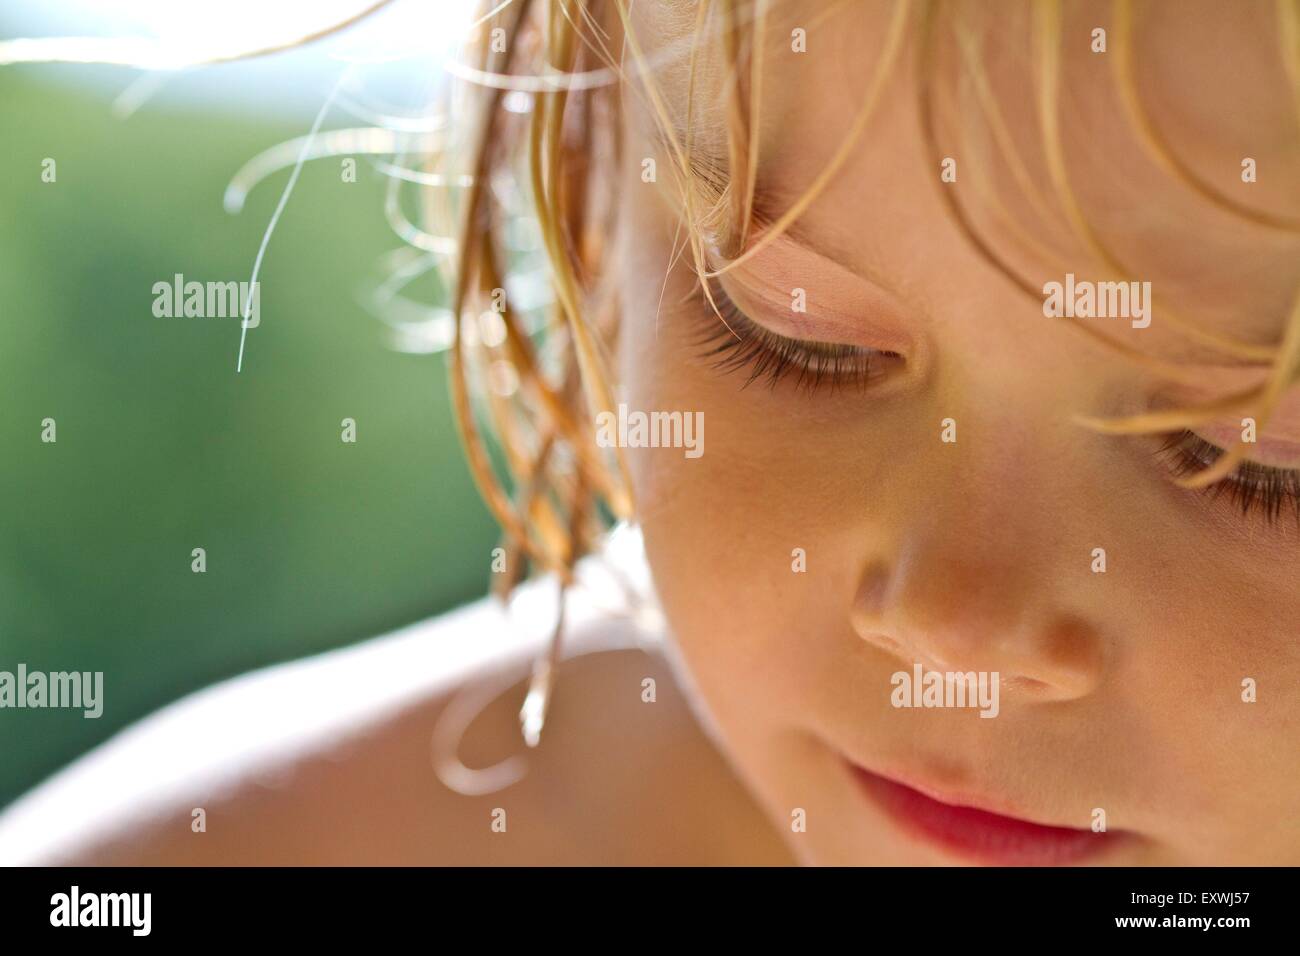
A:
(1123, 689)
(615, 782)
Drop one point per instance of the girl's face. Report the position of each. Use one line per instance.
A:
(1123, 693)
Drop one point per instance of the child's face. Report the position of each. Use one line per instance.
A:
(1120, 691)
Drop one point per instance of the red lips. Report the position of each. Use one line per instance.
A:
(978, 835)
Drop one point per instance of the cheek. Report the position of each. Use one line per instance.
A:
(720, 530)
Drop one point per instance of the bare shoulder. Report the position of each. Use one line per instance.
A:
(330, 761)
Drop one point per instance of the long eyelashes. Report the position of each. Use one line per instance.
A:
(768, 357)
(742, 345)
(1253, 488)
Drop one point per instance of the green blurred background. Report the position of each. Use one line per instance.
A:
(311, 543)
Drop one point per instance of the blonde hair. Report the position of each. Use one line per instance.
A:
(552, 508)
(554, 51)
(535, 123)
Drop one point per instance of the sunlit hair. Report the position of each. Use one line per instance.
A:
(519, 185)
(573, 60)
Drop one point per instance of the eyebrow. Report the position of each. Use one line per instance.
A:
(709, 169)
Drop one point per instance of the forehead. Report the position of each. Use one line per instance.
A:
(1209, 80)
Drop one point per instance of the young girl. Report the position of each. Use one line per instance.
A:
(939, 357)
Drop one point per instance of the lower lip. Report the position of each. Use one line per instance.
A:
(978, 835)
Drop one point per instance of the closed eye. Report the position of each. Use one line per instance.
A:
(1251, 488)
(739, 344)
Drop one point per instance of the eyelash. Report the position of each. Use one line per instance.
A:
(771, 357)
(1252, 487)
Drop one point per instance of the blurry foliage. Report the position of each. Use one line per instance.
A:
(311, 543)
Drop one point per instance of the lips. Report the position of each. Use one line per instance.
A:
(977, 835)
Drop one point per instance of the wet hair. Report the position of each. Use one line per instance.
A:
(570, 62)
(520, 204)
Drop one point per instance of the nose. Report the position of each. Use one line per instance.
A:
(957, 602)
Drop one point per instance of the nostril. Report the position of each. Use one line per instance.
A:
(1042, 653)
(887, 642)
(1029, 685)
(905, 652)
